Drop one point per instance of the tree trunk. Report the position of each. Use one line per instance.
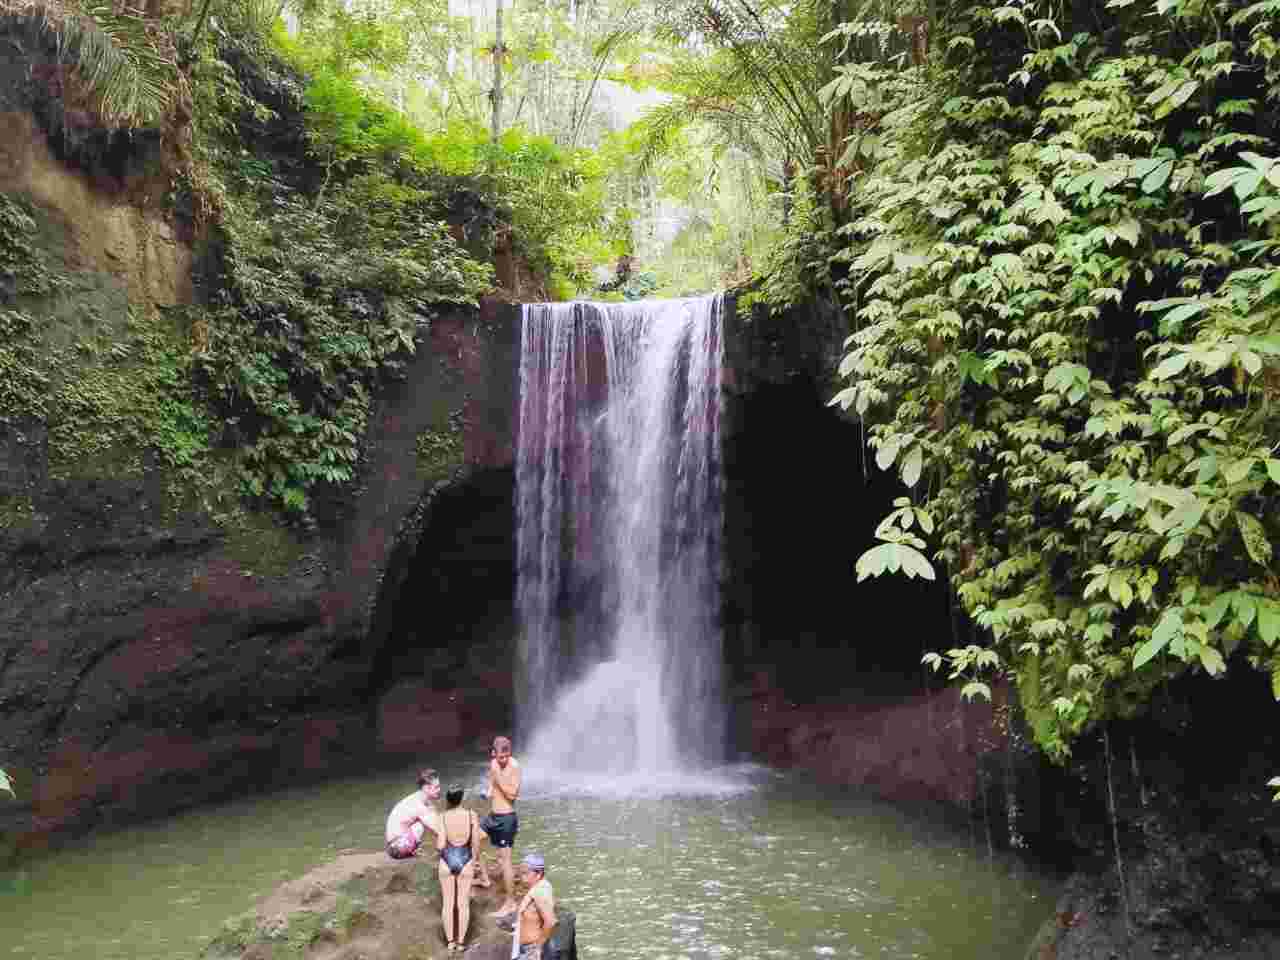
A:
(496, 93)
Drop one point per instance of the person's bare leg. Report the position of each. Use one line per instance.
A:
(482, 874)
(464, 902)
(448, 898)
(508, 882)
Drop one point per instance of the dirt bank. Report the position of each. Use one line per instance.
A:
(365, 906)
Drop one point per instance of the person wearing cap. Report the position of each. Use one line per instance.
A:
(413, 816)
(536, 915)
(501, 824)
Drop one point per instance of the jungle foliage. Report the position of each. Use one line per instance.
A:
(1060, 252)
(319, 289)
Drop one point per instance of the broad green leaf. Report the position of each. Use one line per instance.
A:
(1148, 650)
(1158, 177)
(1245, 606)
(1237, 471)
(1273, 470)
(1171, 366)
(1178, 98)
(1168, 629)
(1119, 590)
(1246, 183)
(1185, 518)
(1145, 165)
(1217, 609)
(1160, 92)
(912, 465)
(1269, 622)
(975, 688)
(925, 520)
(915, 564)
(892, 557)
(844, 398)
(1219, 181)
(1212, 660)
(888, 452)
(879, 559)
(1260, 163)
(1129, 230)
(1007, 262)
(1255, 538)
(1187, 310)
(5, 783)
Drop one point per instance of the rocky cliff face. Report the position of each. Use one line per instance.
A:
(151, 659)
(156, 652)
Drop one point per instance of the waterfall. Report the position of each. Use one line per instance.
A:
(618, 508)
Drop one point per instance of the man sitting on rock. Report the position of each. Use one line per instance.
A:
(536, 915)
(413, 816)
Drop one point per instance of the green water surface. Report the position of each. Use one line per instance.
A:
(760, 865)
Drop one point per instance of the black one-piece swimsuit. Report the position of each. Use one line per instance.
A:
(455, 858)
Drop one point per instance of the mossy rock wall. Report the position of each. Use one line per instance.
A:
(158, 654)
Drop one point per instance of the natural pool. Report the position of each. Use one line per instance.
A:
(749, 863)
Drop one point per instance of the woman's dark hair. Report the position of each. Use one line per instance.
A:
(427, 776)
(453, 797)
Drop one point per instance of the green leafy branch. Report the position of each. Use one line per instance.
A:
(900, 548)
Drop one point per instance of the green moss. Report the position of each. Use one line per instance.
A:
(16, 510)
(307, 927)
(113, 385)
(439, 449)
(291, 939)
(303, 930)
(122, 401)
(261, 544)
(236, 935)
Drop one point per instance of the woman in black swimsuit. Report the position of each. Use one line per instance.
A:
(456, 843)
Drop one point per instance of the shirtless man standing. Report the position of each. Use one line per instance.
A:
(416, 812)
(537, 911)
(501, 824)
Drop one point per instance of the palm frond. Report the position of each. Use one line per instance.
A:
(115, 56)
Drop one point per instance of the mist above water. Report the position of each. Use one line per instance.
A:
(619, 487)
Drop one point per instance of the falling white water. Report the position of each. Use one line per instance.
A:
(619, 531)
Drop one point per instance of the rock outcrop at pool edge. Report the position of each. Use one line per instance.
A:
(368, 905)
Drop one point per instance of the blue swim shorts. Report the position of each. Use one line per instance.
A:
(501, 828)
